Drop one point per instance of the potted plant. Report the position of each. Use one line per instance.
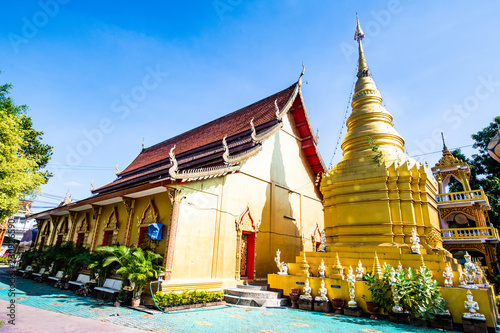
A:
(372, 307)
(135, 265)
(338, 303)
(120, 298)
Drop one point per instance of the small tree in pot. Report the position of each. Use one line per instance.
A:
(136, 266)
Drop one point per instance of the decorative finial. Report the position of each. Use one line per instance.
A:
(358, 36)
(92, 185)
(444, 143)
(301, 74)
(117, 170)
(142, 143)
(278, 116)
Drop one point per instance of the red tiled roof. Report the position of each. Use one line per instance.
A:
(236, 122)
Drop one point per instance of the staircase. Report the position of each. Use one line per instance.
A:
(254, 295)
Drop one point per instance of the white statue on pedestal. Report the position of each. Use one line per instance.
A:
(322, 293)
(472, 306)
(307, 292)
(351, 279)
(360, 271)
(282, 266)
(415, 241)
(321, 269)
(322, 246)
(448, 276)
(395, 294)
(470, 270)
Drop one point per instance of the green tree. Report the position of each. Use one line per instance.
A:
(23, 156)
(485, 171)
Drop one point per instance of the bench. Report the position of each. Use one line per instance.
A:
(57, 277)
(81, 280)
(40, 273)
(25, 271)
(111, 286)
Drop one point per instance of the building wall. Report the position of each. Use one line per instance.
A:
(278, 187)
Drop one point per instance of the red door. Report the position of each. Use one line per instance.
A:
(247, 255)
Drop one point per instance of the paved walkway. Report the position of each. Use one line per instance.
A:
(41, 308)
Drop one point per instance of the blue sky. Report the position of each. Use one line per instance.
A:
(101, 76)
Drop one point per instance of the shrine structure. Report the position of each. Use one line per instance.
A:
(380, 207)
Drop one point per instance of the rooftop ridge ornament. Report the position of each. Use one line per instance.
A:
(301, 74)
(277, 109)
(444, 143)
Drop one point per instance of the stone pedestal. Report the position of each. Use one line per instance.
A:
(442, 321)
(353, 312)
(322, 306)
(400, 317)
(474, 325)
(305, 304)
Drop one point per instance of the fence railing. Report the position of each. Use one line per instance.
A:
(474, 195)
(470, 233)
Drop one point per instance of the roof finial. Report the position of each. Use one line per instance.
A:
(142, 143)
(301, 74)
(358, 36)
(117, 170)
(444, 143)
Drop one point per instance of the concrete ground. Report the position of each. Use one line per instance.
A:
(41, 308)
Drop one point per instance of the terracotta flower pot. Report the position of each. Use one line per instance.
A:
(136, 302)
(373, 308)
(338, 303)
(294, 296)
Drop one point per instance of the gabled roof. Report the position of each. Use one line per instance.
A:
(233, 123)
(201, 150)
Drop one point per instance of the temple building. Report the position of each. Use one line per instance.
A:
(464, 214)
(380, 207)
(225, 196)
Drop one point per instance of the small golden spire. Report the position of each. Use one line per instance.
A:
(377, 270)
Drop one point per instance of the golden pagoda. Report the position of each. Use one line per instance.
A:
(380, 207)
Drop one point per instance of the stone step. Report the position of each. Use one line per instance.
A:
(253, 286)
(251, 293)
(256, 302)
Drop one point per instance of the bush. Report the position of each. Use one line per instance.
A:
(420, 294)
(187, 297)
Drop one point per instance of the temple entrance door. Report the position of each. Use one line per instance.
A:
(247, 255)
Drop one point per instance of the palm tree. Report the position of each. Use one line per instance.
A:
(136, 265)
(140, 270)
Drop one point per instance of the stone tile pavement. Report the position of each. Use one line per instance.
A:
(41, 308)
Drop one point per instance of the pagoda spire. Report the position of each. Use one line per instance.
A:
(369, 118)
(358, 36)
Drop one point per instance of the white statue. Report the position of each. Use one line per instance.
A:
(351, 279)
(322, 297)
(395, 294)
(461, 279)
(472, 306)
(322, 246)
(400, 267)
(448, 276)
(415, 241)
(470, 270)
(307, 292)
(360, 271)
(321, 269)
(282, 266)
